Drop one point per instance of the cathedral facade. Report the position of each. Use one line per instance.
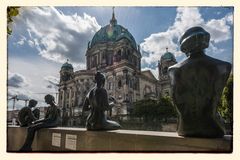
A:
(114, 52)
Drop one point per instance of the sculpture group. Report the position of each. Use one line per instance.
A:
(197, 84)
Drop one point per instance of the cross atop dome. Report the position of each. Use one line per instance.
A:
(113, 21)
(166, 49)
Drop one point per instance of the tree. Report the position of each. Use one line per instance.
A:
(11, 12)
(166, 108)
(145, 108)
(226, 103)
(154, 110)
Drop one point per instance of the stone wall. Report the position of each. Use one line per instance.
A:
(62, 139)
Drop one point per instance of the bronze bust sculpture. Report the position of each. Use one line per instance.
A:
(97, 102)
(197, 85)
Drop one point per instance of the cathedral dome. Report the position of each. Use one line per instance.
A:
(168, 56)
(67, 66)
(112, 33)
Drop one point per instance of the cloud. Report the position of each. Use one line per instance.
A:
(57, 36)
(21, 41)
(16, 80)
(155, 45)
(53, 82)
(31, 43)
(219, 28)
(19, 103)
(35, 72)
(17, 86)
(22, 95)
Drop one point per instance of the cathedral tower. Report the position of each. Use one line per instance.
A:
(167, 60)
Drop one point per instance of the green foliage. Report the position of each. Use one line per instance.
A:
(226, 104)
(166, 108)
(11, 12)
(154, 110)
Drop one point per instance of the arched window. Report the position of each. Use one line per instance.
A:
(103, 60)
(110, 85)
(124, 54)
(119, 84)
(118, 57)
(130, 83)
(165, 70)
(135, 61)
(129, 56)
(110, 59)
(94, 61)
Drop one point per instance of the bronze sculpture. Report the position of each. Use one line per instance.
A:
(97, 102)
(26, 116)
(197, 85)
(51, 119)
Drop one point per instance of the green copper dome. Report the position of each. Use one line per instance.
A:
(112, 33)
(67, 66)
(168, 56)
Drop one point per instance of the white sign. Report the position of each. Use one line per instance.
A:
(71, 141)
(56, 139)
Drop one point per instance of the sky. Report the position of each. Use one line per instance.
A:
(44, 38)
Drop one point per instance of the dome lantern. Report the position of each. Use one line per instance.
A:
(113, 21)
(67, 66)
(168, 56)
(112, 32)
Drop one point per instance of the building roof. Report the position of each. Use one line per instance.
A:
(112, 33)
(148, 74)
(168, 56)
(67, 66)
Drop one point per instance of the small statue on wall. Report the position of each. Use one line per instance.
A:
(97, 102)
(26, 116)
(197, 85)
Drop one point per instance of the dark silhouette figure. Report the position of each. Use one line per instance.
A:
(52, 118)
(97, 102)
(26, 116)
(36, 113)
(197, 85)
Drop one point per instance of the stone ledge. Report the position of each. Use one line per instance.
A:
(80, 140)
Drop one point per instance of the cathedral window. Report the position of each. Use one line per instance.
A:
(124, 55)
(88, 62)
(118, 57)
(94, 61)
(103, 58)
(147, 90)
(119, 84)
(130, 99)
(135, 86)
(110, 59)
(109, 85)
(72, 94)
(60, 96)
(135, 61)
(167, 93)
(131, 83)
(67, 95)
(165, 70)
